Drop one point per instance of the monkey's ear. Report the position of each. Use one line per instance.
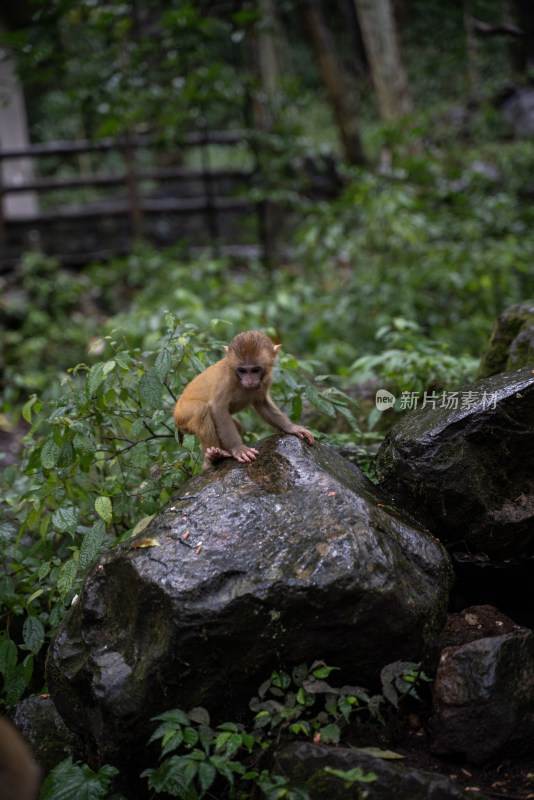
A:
(225, 348)
(277, 348)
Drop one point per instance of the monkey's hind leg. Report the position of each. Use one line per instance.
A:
(215, 453)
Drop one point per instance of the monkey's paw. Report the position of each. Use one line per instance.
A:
(303, 434)
(214, 454)
(245, 454)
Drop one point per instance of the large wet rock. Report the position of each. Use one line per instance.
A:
(467, 473)
(511, 343)
(41, 725)
(484, 698)
(305, 764)
(291, 558)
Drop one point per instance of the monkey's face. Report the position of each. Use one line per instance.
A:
(250, 375)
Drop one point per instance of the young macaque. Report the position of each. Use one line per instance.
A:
(19, 773)
(243, 378)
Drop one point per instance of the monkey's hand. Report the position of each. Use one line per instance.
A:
(302, 433)
(245, 454)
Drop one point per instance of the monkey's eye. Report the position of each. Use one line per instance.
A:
(256, 370)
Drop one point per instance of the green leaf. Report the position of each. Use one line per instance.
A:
(206, 775)
(142, 524)
(171, 741)
(15, 686)
(377, 752)
(350, 776)
(175, 717)
(65, 520)
(170, 320)
(150, 389)
(69, 780)
(190, 737)
(296, 407)
(189, 443)
(163, 364)
(66, 456)
(50, 454)
(91, 544)
(330, 733)
(35, 594)
(67, 576)
(322, 670)
(95, 378)
(137, 426)
(27, 668)
(33, 634)
(8, 657)
(27, 408)
(8, 595)
(123, 359)
(104, 509)
(44, 570)
(280, 679)
(83, 444)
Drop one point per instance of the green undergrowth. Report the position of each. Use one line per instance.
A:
(236, 761)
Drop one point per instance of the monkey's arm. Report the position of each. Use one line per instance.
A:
(269, 412)
(228, 434)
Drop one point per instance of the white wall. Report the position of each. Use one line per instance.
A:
(14, 134)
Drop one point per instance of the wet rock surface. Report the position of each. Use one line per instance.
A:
(291, 558)
(306, 763)
(484, 698)
(467, 473)
(475, 622)
(37, 719)
(511, 343)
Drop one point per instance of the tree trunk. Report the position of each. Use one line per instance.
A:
(526, 16)
(472, 56)
(332, 77)
(383, 52)
(268, 57)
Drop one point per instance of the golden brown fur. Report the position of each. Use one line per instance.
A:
(241, 379)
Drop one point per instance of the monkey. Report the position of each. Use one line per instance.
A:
(19, 773)
(242, 378)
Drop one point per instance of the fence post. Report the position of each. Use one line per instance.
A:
(136, 211)
(211, 208)
(3, 232)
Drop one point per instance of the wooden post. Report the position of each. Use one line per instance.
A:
(3, 232)
(211, 208)
(134, 201)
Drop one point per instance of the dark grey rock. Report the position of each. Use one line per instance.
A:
(41, 725)
(467, 473)
(305, 764)
(483, 702)
(511, 343)
(285, 560)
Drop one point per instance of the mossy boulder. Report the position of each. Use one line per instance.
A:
(511, 343)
